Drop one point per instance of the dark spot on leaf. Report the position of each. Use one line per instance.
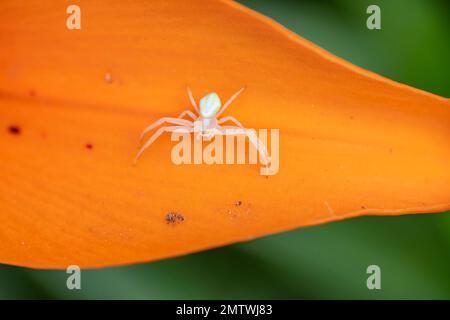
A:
(89, 146)
(174, 217)
(14, 130)
(238, 203)
(32, 93)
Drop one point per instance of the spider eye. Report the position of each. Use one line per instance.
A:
(210, 105)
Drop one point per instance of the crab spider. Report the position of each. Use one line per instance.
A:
(206, 124)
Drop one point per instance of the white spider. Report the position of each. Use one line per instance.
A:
(206, 125)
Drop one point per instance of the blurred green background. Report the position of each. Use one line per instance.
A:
(327, 261)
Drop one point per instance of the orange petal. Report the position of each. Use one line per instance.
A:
(73, 103)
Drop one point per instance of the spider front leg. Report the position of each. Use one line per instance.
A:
(158, 133)
(232, 119)
(188, 113)
(181, 122)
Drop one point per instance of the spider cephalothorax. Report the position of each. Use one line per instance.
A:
(206, 124)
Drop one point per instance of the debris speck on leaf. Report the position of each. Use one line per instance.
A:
(174, 217)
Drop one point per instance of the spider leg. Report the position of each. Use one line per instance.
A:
(158, 133)
(232, 119)
(234, 96)
(250, 133)
(181, 122)
(191, 97)
(188, 113)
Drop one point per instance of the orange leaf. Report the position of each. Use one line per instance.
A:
(73, 103)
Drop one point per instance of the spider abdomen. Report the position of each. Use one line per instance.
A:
(210, 105)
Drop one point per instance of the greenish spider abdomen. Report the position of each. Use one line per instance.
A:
(210, 105)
